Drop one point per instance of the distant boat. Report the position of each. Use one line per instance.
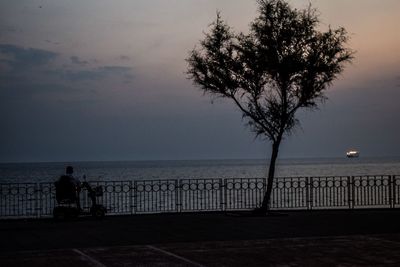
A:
(353, 154)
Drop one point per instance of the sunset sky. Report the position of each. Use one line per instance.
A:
(105, 80)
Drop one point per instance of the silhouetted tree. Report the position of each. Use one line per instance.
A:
(282, 65)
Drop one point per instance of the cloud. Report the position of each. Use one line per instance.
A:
(124, 58)
(52, 42)
(77, 61)
(29, 66)
(125, 72)
(19, 58)
(128, 78)
(115, 69)
(81, 75)
(96, 73)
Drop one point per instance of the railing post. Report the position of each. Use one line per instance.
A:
(177, 196)
(36, 199)
(350, 189)
(265, 184)
(392, 191)
(180, 192)
(309, 197)
(131, 197)
(394, 195)
(135, 203)
(223, 193)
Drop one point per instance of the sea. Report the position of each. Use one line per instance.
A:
(197, 169)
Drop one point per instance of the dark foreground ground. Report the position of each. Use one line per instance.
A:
(331, 238)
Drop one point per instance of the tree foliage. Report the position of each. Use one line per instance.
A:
(283, 64)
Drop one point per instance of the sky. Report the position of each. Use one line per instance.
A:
(105, 80)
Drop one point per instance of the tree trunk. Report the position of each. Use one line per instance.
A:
(271, 174)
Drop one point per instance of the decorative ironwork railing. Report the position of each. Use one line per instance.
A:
(35, 200)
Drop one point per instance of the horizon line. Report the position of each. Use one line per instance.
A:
(198, 159)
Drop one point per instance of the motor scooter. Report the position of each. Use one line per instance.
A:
(68, 204)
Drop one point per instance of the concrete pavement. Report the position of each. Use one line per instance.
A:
(347, 238)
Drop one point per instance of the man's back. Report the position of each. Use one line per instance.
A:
(66, 188)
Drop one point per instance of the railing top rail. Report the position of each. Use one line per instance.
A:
(207, 179)
(330, 176)
(373, 175)
(17, 183)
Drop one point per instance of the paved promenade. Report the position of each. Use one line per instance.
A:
(347, 238)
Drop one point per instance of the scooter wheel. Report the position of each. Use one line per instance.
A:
(98, 213)
(58, 214)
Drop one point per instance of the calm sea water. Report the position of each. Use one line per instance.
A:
(141, 170)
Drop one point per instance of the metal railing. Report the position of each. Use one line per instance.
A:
(35, 200)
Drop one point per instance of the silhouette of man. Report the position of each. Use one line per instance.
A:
(69, 183)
